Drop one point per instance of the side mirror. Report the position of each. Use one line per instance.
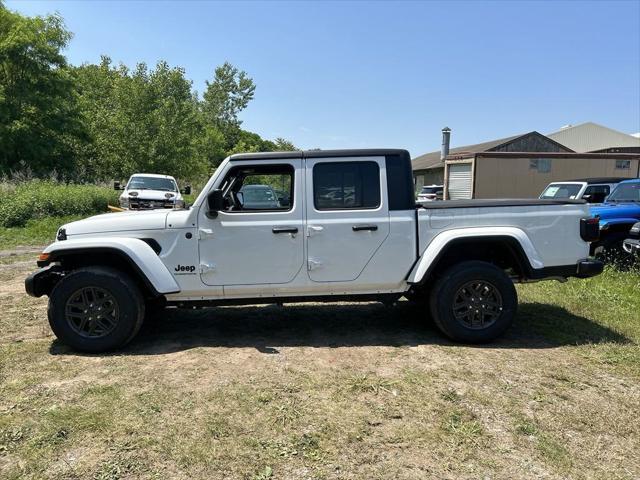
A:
(116, 186)
(186, 190)
(284, 201)
(215, 202)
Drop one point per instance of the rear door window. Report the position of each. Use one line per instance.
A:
(346, 185)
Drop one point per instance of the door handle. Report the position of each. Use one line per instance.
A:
(284, 229)
(360, 228)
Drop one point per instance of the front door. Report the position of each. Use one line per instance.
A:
(347, 215)
(258, 238)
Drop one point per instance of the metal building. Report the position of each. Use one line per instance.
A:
(522, 165)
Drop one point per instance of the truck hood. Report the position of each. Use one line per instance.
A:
(151, 194)
(615, 210)
(119, 222)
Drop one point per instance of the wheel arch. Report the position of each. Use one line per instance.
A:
(132, 256)
(509, 249)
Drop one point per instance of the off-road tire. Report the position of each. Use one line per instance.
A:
(452, 285)
(154, 309)
(122, 290)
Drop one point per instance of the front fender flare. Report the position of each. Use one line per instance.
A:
(135, 251)
(442, 240)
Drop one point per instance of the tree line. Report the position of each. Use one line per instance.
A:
(102, 121)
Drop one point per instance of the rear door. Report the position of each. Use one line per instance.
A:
(347, 215)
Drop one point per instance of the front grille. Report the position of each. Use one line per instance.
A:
(142, 204)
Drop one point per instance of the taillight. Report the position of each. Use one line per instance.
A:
(590, 229)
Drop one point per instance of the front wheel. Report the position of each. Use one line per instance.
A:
(95, 309)
(473, 302)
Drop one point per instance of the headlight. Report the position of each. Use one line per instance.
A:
(124, 202)
(179, 204)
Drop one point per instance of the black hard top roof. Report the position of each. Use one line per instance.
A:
(363, 152)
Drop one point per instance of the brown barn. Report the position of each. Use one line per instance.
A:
(522, 165)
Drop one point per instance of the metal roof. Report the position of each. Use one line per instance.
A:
(152, 175)
(432, 160)
(590, 137)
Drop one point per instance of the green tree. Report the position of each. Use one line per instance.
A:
(39, 120)
(143, 120)
(228, 94)
(283, 145)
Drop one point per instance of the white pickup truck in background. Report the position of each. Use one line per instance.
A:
(344, 226)
(146, 191)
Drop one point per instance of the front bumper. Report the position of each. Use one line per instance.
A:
(632, 246)
(41, 281)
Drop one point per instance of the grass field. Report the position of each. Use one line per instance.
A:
(36, 232)
(328, 391)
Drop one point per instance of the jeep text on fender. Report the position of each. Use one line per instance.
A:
(310, 226)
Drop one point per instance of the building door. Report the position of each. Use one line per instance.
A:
(460, 181)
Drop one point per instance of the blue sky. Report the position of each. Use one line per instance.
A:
(354, 75)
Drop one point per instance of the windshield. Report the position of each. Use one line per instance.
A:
(626, 192)
(562, 190)
(431, 189)
(152, 183)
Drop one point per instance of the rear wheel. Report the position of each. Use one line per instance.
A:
(96, 309)
(473, 302)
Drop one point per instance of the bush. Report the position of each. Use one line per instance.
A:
(44, 198)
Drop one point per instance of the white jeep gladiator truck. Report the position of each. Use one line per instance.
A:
(344, 227)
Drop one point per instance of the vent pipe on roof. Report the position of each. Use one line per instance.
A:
(446, 141)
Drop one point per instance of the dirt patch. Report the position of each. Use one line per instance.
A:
(341, 391)
(20, 251)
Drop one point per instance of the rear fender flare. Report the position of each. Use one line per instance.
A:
(441, 241)
(134, 251)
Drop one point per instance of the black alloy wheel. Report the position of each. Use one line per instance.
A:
(92, 312)
(477, 304)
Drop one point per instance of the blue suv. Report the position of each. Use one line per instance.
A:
(617, 215)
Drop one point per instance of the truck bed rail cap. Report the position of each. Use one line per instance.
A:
(499, 202)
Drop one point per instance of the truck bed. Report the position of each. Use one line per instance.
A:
(553, 226)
